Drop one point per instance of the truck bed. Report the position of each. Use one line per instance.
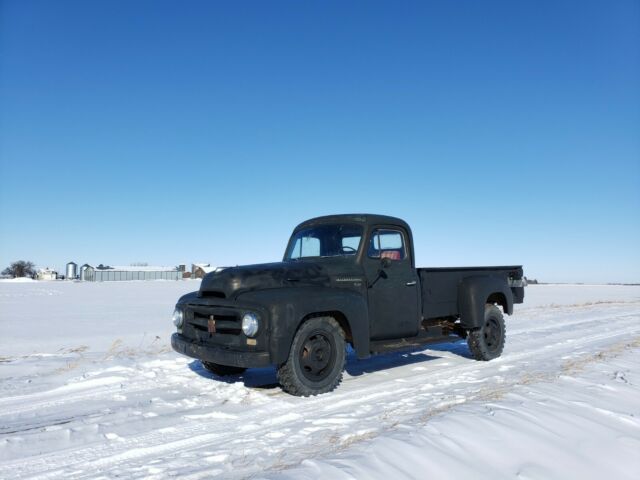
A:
(440, 286)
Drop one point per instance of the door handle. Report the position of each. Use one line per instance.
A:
(411, 284)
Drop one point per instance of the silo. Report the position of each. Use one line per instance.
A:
(72, 271)
(85, 272)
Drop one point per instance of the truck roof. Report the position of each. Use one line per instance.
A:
(364, 218)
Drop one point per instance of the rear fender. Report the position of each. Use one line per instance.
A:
(475, 292)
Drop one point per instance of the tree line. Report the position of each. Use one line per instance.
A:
(21, 268)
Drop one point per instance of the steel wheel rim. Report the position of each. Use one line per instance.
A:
(317, 356)
(492, 334)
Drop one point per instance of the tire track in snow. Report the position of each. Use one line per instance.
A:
(64, 395)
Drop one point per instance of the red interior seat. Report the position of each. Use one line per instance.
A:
(390, 254)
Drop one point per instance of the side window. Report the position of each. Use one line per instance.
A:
(387, 244)
(306, 247)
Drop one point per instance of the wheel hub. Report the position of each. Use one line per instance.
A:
(492, 334)
(317, 357)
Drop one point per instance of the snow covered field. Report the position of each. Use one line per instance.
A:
(90, 388)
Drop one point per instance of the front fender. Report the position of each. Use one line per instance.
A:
(473, 293)
(186, 298)
(289, 306)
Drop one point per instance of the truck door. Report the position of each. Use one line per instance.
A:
(393, 287)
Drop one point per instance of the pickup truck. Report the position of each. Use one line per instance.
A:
(344, 279)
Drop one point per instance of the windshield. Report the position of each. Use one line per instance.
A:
(324, 241)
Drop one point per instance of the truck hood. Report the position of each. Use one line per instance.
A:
(232, 281)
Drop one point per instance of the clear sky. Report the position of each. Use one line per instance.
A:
(167, 132)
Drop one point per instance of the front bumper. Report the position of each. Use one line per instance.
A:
(219, 354)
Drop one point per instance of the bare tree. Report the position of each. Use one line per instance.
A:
(21, 268)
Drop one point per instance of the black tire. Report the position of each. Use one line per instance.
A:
(487, 342)
(222, 370)
(316, 359)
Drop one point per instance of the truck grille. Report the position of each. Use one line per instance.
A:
(224, 324)
(216, 325)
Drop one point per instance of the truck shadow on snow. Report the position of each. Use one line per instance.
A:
(265, 378)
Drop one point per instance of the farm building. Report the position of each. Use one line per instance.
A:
(46, 274)
(199, 270)
(72, 271)
(103, 273)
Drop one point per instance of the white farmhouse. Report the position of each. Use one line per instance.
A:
(46, 274)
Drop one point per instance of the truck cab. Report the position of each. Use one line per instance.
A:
(344, 279)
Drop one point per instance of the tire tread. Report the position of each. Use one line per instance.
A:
(287, 376)
(475, 338)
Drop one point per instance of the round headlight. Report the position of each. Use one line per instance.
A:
(250, 324)
(178, 318)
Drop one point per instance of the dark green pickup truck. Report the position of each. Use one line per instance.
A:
(344, 279)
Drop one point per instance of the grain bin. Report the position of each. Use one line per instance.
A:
(72, 271)
(85, 272)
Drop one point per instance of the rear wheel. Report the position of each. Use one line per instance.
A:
(487, 342)
(316, 359)
(222, 370)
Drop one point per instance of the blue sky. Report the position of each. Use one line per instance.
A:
(502, 131)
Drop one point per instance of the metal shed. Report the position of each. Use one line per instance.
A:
(110, 274)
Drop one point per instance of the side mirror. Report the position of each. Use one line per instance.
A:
(385, 262)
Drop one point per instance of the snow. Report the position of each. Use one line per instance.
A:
(53, 316)
(209, 268)
(136, 268)
(572, 425)
(90, 388)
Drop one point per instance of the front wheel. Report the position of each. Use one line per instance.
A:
(222, 370)
(316, 359)
(487, 342)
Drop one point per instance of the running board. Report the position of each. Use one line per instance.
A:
(395, 344)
